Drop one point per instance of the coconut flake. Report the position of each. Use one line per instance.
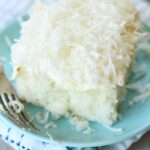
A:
(80, 123)
(8, 41)
(140, 71)
(50, 125)
(42, 118)
(113, 129)
(88, 130)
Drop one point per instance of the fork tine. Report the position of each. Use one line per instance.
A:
(10, 115)
(14, 105)
(9, 108)
(4, 101)
(12, 112)
(12, 98)
(23, 116)
(28, 120)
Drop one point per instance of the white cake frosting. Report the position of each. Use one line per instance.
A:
(74, 54)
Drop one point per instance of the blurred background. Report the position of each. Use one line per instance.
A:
(13, 9)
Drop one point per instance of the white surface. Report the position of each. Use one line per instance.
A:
(4, 146)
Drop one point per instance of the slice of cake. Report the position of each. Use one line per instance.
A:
(74, 57)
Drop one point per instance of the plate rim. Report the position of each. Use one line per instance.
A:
(74, 144)
(65, 143)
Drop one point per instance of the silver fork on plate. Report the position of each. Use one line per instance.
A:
(11, 106)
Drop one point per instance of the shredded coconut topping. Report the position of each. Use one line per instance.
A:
(84, 43)
(74, 56)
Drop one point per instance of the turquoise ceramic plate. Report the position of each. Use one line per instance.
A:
(135, 119)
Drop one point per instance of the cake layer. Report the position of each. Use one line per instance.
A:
(94, 105)
(73, 55)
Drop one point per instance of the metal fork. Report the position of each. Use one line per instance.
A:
(11, 106)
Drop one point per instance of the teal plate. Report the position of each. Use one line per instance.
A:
(136, 119)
